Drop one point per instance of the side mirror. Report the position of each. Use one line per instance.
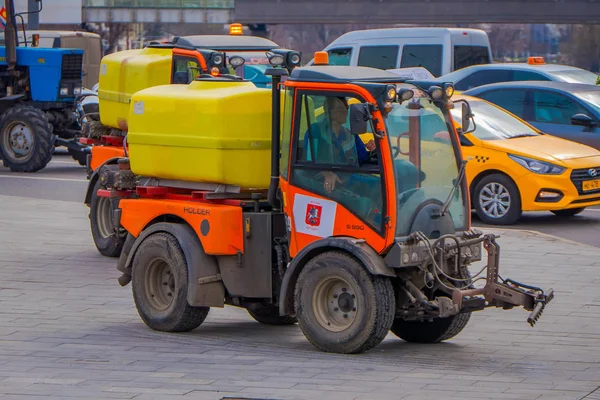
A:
(359, 117)
(466, 117)
(583, 120)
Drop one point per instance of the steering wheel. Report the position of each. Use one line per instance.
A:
(398, 149)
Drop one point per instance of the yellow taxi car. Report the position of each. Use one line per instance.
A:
(512, 167)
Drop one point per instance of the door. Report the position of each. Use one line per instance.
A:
(552, 112)
(336, 183)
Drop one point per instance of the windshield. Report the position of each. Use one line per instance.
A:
(425, 164)
(254, 67)
(492, 123)
(575, 76)
(592, 99)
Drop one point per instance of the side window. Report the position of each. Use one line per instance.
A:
(340, 56)
(382, 57)
(511, 100)
(465, 56)
(554, 108)
(480, 78)
(185, 69)
(333, 163)
(427, 56)
(286, 132)
(528, 76)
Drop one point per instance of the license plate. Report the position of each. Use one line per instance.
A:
(591, 185)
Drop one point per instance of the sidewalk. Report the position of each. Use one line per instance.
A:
(68, 330)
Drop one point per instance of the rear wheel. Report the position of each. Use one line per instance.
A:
(341, 307)
(568, 212)
(105, 236)
(438, 330)
(160, 282)
(26, 139)
(269, 315)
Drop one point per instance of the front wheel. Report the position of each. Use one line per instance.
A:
(497, 200)
(438, 330)
(342, 308)
(570, 212)
(26, 139)
(159, 283)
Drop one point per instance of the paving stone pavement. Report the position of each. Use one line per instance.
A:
(68, 330)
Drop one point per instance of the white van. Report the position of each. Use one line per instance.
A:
(439, 50)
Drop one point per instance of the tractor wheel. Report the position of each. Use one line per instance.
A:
(159, 283)
(570, 212)
(341, 307)
(26, 139)
(497, 200)
(101, 224)
(438, 330)
(269, 315)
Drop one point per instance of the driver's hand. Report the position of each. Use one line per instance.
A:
(371, 145)
(330, 180)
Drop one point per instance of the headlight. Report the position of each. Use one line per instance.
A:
(276, 60)
(436, 92)
(64, 91)
(217, 59)
(539, 167)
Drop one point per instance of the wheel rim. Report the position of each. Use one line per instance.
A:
(18, 141)
(159, 284)
(104, 217)
(494, 200)
(335, 304)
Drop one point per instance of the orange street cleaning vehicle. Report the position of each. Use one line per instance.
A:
(126, 72)
(227, 202)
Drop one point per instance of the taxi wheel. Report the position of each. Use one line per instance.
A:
(568, 212)
(497, 200)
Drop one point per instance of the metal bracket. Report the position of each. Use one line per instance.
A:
(209, 279)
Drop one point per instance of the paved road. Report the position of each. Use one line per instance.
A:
(64, 179)
(69, 331)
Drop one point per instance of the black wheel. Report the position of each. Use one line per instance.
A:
(497, 200)
(570, 212)
(101, 223)
(26, 139)
(341, 307)
(438, 330)
(159, 283)
(269, 315)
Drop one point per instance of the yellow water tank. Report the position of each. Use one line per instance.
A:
(215, 131)
(125, 72)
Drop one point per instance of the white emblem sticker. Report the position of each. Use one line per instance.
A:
(103, 69)
(138, 107)
(314, 216)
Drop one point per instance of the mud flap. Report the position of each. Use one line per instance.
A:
(205, 287)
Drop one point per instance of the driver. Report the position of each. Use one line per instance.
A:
(333, 143)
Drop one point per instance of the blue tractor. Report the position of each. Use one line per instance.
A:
(38, 92)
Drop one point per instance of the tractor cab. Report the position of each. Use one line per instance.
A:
(361, 154)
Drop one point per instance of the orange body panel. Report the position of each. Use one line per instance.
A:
(344, 223)
(222, 234)
(103, 153)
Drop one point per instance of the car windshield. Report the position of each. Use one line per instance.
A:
(424, 161)
(493, 123)
(592, 98)
(575, 76)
